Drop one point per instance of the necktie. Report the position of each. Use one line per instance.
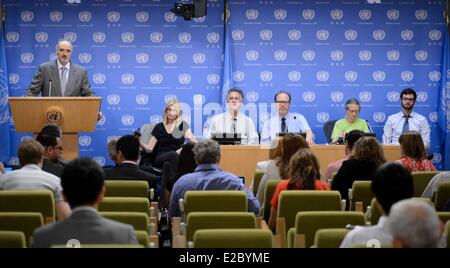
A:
(233, 125)
(283, 125)
(406, 124)
(63, 80)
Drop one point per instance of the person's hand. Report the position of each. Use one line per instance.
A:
(309, 141)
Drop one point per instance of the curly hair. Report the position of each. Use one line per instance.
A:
(368, 148)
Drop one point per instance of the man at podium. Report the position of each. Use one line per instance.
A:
(60, 77)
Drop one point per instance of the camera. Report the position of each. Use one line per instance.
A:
(136, 132)
(196, 9)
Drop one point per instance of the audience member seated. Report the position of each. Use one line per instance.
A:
(54, 130)
(433, 185)
(185, 165)
(365, 158)
(350, 122)
(208, 176)
(52, 152)
(83, 187)
(414, 155)
(274, 152)
(304, 174)
(32, 177)
(391, 183)
(112, 151)
(414, 224)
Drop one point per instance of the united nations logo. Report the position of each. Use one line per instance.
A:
(98, 37)
(294, 76)
(379, 117)
(156, 37)
(393, 96)
(27, 57)
(322, 117)
(434, 35)
(170, 17)
(70, 36)
(99, 78)
(421, 55)
(127, 120)
(155, 119)
(322, 76)
(52, 56)
(393, 14)
(27, 16)
(198, 99)
(26, 138)
(365, 96)
(99, 160)
(127, 78)
(184, 37)
(421, 14)
(252, 55)
(393, 55)
(213, 37)
(56, 16)
(252, 96)
(379, 76)
(170, 58)
(142, 99)
(266, 76)
(113, 16)
(322, 35)
(378, 35)
(213, 79)
(351, 76)
(351, 35)
(337, 55)
(127, 37)
(113, 99)
(12, 37)
(156, 78)
(365, 55)
(237, 35)
(113, 57)
(238, 76)
(407, 35)
(199, 58)
(280, 14)
(142, 58)
(14, 161)
(265, 35)
(294, 35)
(85, 57)
(434, 76)
(437, 158)
(14, 78)
(422, 96)
(309, 96)
(365, 14)
(337, 96)
(54, 115)
(264, 116)
(280, 55)
(85, 16)
(41, 37)
(199, 20)
(309, 55)
(433, 116)
(308, 14)
(337, 14)
(184, 78)
(407, 76)
(251, 14)
(102, 121)
(169, 97)
(142, 16)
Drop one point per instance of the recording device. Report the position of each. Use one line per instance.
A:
(50, 88)
(196, 9)
(368, 126)
(340, 141)
(136, 132)
(227, 138)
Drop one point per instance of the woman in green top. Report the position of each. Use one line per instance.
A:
(350, 122)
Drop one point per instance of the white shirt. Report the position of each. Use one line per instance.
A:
(360, 235)
(394, 126)
(225, 123)
(295, 122)
(60, 70)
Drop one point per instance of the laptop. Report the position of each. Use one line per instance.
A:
(227, 138)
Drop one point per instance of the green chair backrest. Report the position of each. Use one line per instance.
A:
(12, 239)
(421, 180)
(447, 233)
(376, 212)
(218, 220)
(442, 196)
(126, 188)
(138, 220)
(268, 194)
(125, 204)
(214, 201)
(233, 238)
(143, 238)
(361, 192)
(444, 216)
(329, 238)
(25, 222)
(293, 201)
(29, 201)
(256, 181)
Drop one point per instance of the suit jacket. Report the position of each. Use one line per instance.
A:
(77, 84)
(51, 167)
(86, 226)
(128, 171)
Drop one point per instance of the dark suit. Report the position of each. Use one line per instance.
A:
(50, 167)
(86, 226)
(128, 171)
(77, 83)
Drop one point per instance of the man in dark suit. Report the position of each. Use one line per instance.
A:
(127, 155)
(52, 152)
(82, 182)
(60, 77)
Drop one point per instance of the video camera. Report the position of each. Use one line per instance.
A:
(196, 9)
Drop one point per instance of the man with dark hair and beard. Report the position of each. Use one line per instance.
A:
(406, 120)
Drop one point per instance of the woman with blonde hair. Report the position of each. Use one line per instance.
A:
(414, 155)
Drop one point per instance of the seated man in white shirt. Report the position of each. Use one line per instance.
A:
(284, 121)
(391, 183)
(233, 121)
(406, 120)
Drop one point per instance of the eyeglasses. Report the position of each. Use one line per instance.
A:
(408, 99)
(353, 111)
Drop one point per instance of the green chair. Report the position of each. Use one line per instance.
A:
(421, 180)
(233, 238)
(329, 238)
(256, 181)
(142, 238)
(138, 220)
(375, 212)
(268, 194)
(214, 201)
(447, 233)
(444, 216)
(25, 222)
(125, 204)
(442, 196)
(126, 188)
(29, 201)
(360, 195)
(307, 223)
(12, 239)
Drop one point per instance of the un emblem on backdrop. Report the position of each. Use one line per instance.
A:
(434, 76)
(379, 117)
(27, 57)
(27, 16)
(85, 16)
(365, 55)
(421, 14)
(184, 37)
(266, 76)
(407, 76)
(142, 16)
(84, 141)
(102, 121)
(280, 14)
(142, 58)
(56, 16)
(351, 35)
(378, 35)
(85, 57)
(437, 158)
(263, 117)
(337, 55)
(309, 96)
(322, 76)
(71, 37)
(351, 76)
(407, 35)
(251, 14)
(237, 35)
(98, 37)
(294, 76)
(99, 79)
(434, 35)
(365, 96)
(99, 160)
(365, 14)
(198, 99)
(337, 96)
(433, 116)
(294, 35)
(170, 17)
(12, 37)
(308, 14)
(13, 78)
(184, 78)
(113, 16)
(41, 37)
(421, 55)
(213, 37)
(156, 78)
(199, 20)
(213, 79)
(337, 14)
(113, 99)
(322, 35)
(156, 37)
(309, 55)
(127, 120)
(53, 56)
(422, 96)
(169, 97)
(113, 57)
(155, 119)
(252, 55)
(280, 55)
(393, 55)
(170, 58)
(142, 99)
(379, 76)
(322, 117)
(265, 35)
(393, 96)
(127, 37)
(393, 14)
(127, 78)
(252, 96)
(199, 58)
(238, 76)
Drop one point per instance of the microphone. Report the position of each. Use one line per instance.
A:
(368, 125)
(50, 88)
(234, 124)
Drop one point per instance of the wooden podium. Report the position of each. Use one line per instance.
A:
(71, 114)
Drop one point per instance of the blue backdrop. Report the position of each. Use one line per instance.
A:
(139, 55)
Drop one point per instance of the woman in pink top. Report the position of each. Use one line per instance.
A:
(414, 155)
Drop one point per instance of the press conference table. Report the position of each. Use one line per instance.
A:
(241, 159)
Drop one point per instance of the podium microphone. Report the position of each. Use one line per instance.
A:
(50, 88)
(368, 125)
